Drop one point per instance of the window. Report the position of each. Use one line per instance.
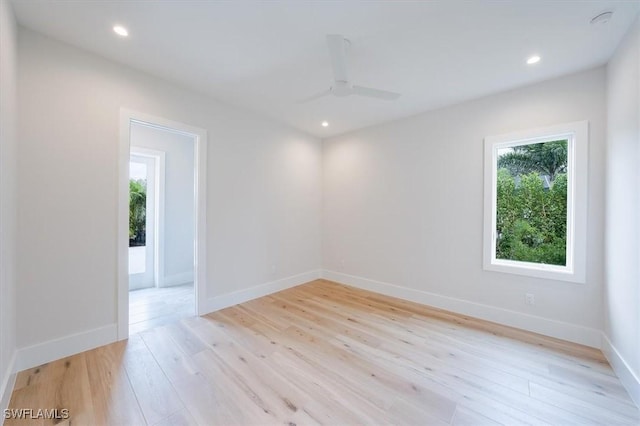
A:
(535, 202)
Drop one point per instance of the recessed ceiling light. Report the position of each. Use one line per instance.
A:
(533, 60)
(120, 30)
(325, 124)
(602, 18)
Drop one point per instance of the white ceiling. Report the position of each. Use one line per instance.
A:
(265, 55)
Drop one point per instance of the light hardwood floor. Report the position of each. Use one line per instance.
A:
(323, 353)
(152, 307)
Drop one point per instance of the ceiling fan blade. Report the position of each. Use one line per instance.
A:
(374, 93)
(338, 55)
(314, 97)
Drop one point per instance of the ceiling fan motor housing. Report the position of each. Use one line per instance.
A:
(341, 88)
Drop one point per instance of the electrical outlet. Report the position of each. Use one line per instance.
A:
(530, 299)
(341, 265)
(273, 269)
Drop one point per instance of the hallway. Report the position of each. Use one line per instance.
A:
(153, 307)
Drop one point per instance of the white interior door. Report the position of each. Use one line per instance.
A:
(142, 170)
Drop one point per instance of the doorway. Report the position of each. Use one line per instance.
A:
(145, 169)
(161, 226)
(161, 219)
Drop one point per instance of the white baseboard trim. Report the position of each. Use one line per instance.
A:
(7, 385)
(230, 299)
(51, 350)
(548, 327)
(176, 279)
(625, 373)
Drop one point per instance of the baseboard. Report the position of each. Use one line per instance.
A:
(225, 300)
(558, 329)
(177, 279)
(627, 377)
(7, 385)
(51, 350)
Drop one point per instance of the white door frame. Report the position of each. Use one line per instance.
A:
(200, 192)
(158, 209)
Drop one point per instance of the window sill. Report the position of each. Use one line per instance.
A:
(535, 270)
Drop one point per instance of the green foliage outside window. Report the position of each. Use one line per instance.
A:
(137, 212)
(531, 215)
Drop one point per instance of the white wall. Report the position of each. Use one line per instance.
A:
(178, 199)
(8, 155)
(403, 206)
(263, 192)
(622, 229)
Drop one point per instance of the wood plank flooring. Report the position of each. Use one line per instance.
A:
(323, 353)
(152, 307)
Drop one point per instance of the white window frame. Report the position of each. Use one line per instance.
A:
(577, 136)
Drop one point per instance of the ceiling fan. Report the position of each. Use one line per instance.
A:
(342, 86)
